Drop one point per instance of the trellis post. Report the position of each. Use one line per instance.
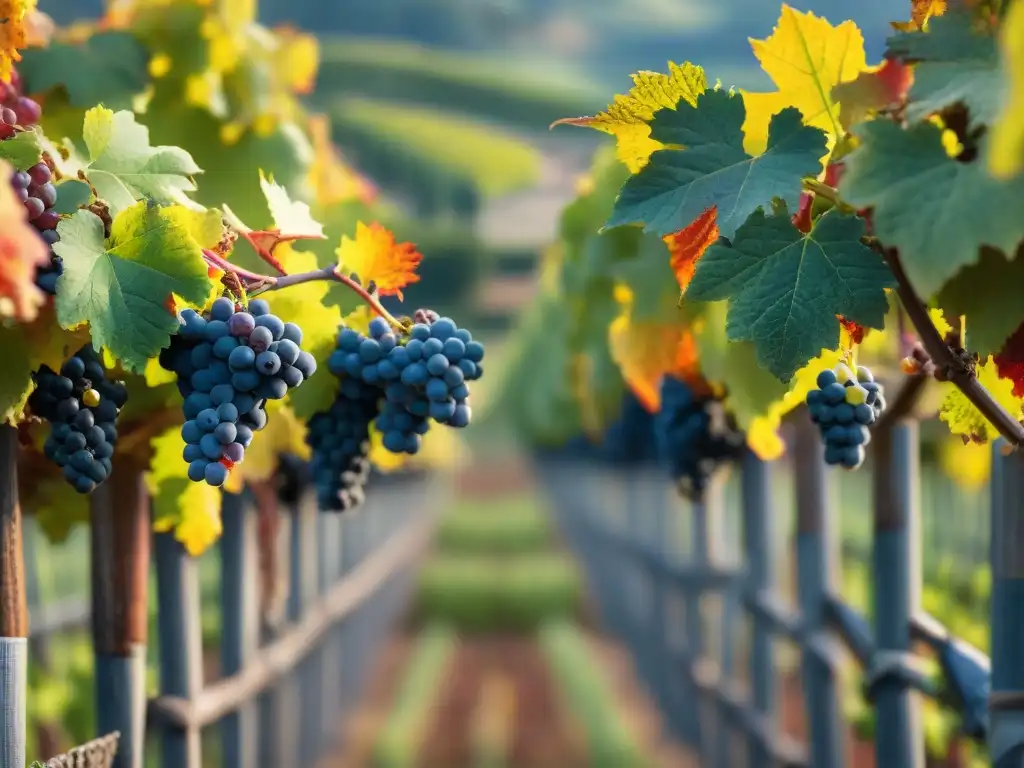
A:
(897, 592)
(816, 576)
(13, 609)
(120, 528)
(1006, 701)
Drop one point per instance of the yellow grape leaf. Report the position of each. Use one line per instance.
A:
(806, 57)
(686, 246)
(297, 59)
(191, 510)
(284, 433)
(13, 32)
(376, 257)
(966, 420)
(628, 117)
(1006, 147)
(292, 218)
(21, 251)
(968, 465)
(920, 12)
(939, 321)
(645, 352)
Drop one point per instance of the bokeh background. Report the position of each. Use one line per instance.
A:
(444, 106)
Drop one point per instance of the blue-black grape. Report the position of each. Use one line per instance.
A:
(82, 406)
(630, 439)
(227, 366)
(695, 435)
(845, 405)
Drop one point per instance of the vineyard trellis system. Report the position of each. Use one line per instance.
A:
(642, 579)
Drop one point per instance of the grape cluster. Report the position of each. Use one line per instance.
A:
(845, 406)
(694, 435)
(33, 187)
(630, 438)
(36, 191)
(339, 439)
(82, 405)
(397, 383)
(228, 364)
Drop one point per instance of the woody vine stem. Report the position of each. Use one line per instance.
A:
(253, 284)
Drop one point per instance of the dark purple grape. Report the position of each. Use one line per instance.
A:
(241, 324)
(35, 208)
(41, 174)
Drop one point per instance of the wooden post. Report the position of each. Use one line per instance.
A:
(816, 562)
(181, 644)
(119, 511)
(13, 609)
(899, 739)
(240, 635)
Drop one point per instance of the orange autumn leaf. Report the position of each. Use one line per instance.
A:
(687, 245)
(376, 257)
(21, 251)
(646, 352)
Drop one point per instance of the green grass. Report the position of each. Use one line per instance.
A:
(494, 161)
(470, 83)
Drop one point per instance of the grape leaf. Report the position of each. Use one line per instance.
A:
(108, 67)
(647, 273)
(872, 91)
(785, 287)
(968, 465)
(628, 117)
(292, 218)
(120, 287)
(806, 57)
(283, 434)
(686, 246)
(22, 150)
(376, 256)
(965, 419)
(22, 251)
(1006, 149)
(191, 510)
(123, 167)
(677, 186)
(72, 194)
(646, 351)
(936, 210)
(954, 65)
(989, 294)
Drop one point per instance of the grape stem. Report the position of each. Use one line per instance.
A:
(956, 369)
(255, 284)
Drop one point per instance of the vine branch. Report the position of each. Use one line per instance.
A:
(255, 284)
(957, 371)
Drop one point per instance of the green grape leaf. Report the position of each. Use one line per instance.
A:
(105, 68)
(989, 294)
(291, 217)
(649, 276)
(22, 150)
(677, 185)
(785, 287)
(71, 195)
(936, 210)
(123, 167)
(121, 287)
(954, 64)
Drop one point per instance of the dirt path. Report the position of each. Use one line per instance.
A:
(541, 733)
